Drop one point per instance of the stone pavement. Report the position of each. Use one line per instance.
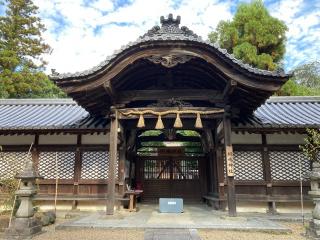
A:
(193, 217)
(171, 234)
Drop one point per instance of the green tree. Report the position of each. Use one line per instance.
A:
(21, 51)
(305, 82)
(308, 75)
(253, 36)
(311, 148)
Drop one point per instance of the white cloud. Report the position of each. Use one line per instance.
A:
(83, 34)
(76, 46)
(303, 20)
(102, 5)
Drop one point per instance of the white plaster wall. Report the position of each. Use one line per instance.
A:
(96, 138)
(282, 138)
(16, 140)
(57, 139)
(246, 138)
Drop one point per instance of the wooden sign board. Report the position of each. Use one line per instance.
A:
(230, 163)
(171, 151)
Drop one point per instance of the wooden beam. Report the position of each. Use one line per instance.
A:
(229, 162)
(231, 85)
(180, 94)
(110, 91)
(162, 138)
(219, 130)
(112, 162)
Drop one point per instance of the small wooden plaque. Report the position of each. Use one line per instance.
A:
(230, 163)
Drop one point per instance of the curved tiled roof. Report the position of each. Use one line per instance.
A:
(60, 114)
(285, 112)
(45, 114)
(169, 31)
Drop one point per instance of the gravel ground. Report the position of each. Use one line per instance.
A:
(117, 234)
(90, 234)
(297, 230)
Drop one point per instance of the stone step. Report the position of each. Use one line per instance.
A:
(170, 234)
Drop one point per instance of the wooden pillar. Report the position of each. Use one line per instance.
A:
(112, 162)
(229, 166)
(77, 172)
(130, 153)
(35, 152)
(219, 169)
(130, 168)
(211, 162)
(267, 172)
(121, 167)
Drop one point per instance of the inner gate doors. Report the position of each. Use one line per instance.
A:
(171, 177)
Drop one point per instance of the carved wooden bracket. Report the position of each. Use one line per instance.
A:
(169, 61)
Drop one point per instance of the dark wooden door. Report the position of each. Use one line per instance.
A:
(171, 177)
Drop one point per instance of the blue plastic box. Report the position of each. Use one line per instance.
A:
(171, 205)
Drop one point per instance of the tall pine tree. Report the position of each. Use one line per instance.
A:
(21, 50)
(253, 36)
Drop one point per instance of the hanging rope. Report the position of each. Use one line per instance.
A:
(159, 124)
(198, 123)
(149, 111)
(141, 123)
(177, 123)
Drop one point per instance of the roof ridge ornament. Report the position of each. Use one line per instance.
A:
(170, 27)
(170, 20)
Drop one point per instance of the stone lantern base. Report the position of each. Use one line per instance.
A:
(23, 228)
(313, 230)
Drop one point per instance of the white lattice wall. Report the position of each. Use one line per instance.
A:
(248, 165)
(11, 163)
(285, 165)
(95, 165)
(47, 165)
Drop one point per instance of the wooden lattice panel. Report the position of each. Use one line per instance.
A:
(11, 163)
(171, 169)
(95, 165)
(47, 165)
(248, 165)
(186, 169)
(285, 165)
(153, 167)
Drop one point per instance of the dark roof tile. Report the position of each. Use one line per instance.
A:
(39, 114)
(285, 112)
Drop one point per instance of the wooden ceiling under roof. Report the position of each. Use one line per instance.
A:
(169, 62)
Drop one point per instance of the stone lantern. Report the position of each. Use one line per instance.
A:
(24, 224)
(314, 227)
